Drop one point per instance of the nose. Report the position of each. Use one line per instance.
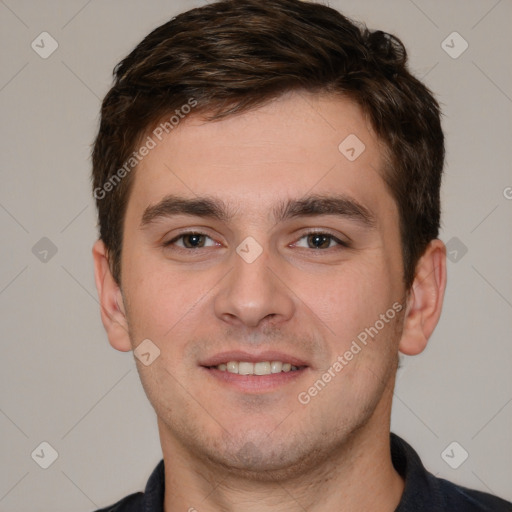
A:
(252, 293)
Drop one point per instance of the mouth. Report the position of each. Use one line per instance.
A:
(255, 372)
(259, 368)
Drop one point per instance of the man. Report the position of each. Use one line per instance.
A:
(267, 178)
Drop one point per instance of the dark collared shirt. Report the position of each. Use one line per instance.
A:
(423, 492)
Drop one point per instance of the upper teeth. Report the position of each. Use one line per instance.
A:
(261, 368)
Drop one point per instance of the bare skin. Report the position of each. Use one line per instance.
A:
(247, 443)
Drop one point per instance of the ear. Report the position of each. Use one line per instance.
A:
(113, 314)
(425, 299)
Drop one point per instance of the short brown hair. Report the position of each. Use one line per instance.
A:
(235, 55)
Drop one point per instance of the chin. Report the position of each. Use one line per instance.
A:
(256, 456)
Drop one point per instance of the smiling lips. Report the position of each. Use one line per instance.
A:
(264, 372)
(244, 363)
(259, 368)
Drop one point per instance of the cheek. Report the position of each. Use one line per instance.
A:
(351, 297)
(158, 298)
(167, 303)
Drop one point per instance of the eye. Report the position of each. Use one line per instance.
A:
(318, 240)
(191, 240)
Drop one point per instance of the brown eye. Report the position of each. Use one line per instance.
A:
(190, 241)
(319, 241)
(193, 240)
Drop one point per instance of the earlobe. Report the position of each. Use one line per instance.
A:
(113, 313)
(425, 299)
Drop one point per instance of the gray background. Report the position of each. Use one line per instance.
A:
(62, 382)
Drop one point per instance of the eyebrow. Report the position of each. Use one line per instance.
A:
(213, 208)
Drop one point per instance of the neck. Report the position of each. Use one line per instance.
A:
(359, 476)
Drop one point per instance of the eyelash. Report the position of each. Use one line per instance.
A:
(340, 243)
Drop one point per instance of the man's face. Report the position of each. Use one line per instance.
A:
(265, 283)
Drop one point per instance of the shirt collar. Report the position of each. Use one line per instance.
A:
(421, 491)
(155, 490)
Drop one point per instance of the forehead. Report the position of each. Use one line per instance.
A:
(298, 144)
